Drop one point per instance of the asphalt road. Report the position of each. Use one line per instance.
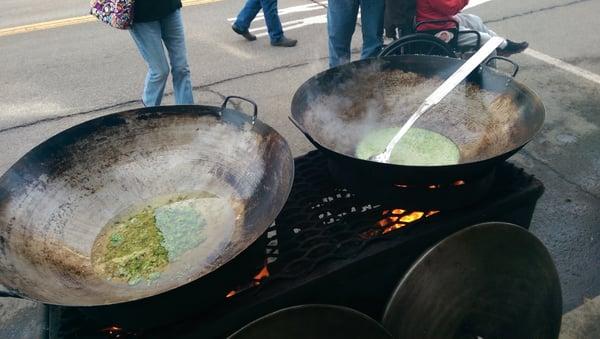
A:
(54, 78)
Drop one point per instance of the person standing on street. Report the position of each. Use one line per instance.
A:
(158, 24)
(249, 12)
(341, 22)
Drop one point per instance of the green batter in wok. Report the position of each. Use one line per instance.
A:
(418, 147)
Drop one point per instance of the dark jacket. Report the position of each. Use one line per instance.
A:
(152, 10)
(399, 14)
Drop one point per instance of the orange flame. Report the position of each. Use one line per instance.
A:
(393, 228)
(430, 213)
(112, 329)
(263, 274)
(414, 216)
(395, 219)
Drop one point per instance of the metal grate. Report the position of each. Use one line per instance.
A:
(321, 229)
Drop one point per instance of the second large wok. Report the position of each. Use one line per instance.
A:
(55, 201)
(335, 109)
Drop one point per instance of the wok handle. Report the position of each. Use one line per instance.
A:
(8, 294)
(515, 66)
(254, 115)
(298, 126)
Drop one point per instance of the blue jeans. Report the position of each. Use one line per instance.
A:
(149, 38)
(341, 22)
(251, 9)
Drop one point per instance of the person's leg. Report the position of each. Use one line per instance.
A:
(272, 19)
(174, 37)
(341, 22)
(371, 17)
(470, 22)
(247, 14)
(147, 37)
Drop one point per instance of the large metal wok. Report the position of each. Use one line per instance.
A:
(315, 322)
(57, 198)
(336, 108)
(491, 280)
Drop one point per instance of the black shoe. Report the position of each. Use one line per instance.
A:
(513, 48)
(246, 34)
(284, 42)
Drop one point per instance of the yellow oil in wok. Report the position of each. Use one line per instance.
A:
(141, 243)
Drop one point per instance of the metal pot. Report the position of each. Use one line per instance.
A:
(337, 129)
(315, 322)
(56, 200)
(491, 280)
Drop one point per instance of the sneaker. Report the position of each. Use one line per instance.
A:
(284, 42)
(246, 34)
(513, 48)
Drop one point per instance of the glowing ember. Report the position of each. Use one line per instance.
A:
(414, 216)
(393, 228)
(430, 213)
(112, 329)
(262, 275)
(395, 219)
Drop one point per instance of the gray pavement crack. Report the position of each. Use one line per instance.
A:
(560, 175)
(318, 3)
(291, 66)
(95, 110)
(219, 94)
(205, 87)
(543, 9)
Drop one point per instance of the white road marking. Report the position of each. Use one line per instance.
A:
(474, 3)
(593, 77)
(564, 65)
(291, 10)
(294, 24)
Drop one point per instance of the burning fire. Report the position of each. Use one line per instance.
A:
(396, 219)
(262, 275)
(414, 216)
(115, 331)
(112, 329)
(433, 186)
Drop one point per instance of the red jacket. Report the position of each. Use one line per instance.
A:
(436, 10)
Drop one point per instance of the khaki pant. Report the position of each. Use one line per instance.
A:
(470, 22)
